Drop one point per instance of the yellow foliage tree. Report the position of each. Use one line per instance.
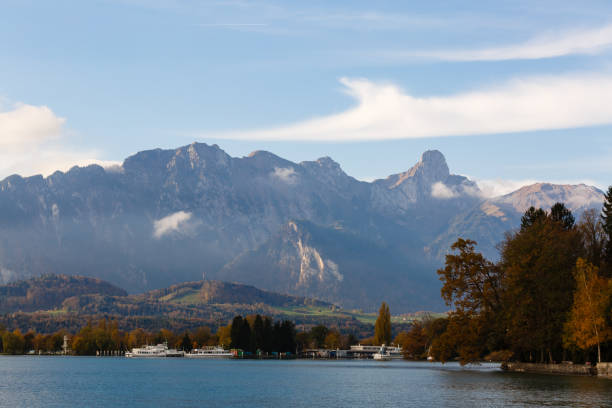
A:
(382, 327)
(224, 334)
(587, 326)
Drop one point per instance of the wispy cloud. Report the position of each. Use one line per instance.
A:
(499, 187)
(233, 25)
(549, 45)
(442, 191)
(286, 175)
(384, 111)
(175, 222)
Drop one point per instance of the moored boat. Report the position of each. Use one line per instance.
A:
(383, 354)
(159, 350)
(209, 352)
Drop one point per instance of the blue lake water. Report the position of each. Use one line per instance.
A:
(28, 381)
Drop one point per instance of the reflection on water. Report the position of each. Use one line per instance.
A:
(119, 382)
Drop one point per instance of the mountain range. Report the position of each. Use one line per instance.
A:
(307, 229)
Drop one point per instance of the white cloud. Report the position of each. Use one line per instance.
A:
(550, 45)
(176, 222)
(286, 175)
(442, 191)
(26, 124)
(7, 275)
(31, 139)
(499, 187)
(384, 111)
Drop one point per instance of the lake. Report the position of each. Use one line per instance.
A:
(30, 381)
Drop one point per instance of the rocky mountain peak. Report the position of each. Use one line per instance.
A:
(431, 167)
(328, 162)
(324, 166)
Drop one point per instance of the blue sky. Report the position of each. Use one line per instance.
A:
(510, 92)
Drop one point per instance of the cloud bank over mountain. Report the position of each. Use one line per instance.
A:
(384, 111)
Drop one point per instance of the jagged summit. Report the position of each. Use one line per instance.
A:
(432, 167)
(324, 164)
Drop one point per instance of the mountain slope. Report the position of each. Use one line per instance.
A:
(487, 222)
(171, 216)
(339, 266)
(50, 291)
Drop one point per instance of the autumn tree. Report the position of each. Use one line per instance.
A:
(13, 342)
(413, 342)
(382, 327)
(317, 336)
(333, 340)
(587, 326)
(472, 285)
(225, 335)
(202, 336)
(137, 338)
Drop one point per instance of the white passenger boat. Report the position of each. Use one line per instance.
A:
(383, 354)
(159, 350)
(209, 352)
(396, 352)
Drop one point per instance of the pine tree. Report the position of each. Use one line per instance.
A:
(559, 213)
(531, 217)
(382, 328)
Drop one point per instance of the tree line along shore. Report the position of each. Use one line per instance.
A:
(253, 334)
(547, 299)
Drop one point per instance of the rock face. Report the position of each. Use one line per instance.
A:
(308, 229)
(336, 263)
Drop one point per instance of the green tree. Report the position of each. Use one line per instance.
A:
(562, 215)
(593, 236)
(186, 343)
(538, 284)
(382, 327)
(257, 334)
(532, 216)
(240, 333)
(284, 336)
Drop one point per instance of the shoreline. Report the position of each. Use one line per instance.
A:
(600, 370)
